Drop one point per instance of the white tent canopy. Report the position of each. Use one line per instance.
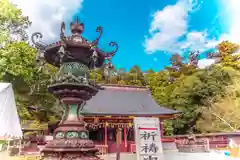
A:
(9, 120)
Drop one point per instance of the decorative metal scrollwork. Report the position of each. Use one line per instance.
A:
(79, 109)
(112, 53)
(62, 36)
(61, 53)
(100, 30)
(41, 46)
(36, 40)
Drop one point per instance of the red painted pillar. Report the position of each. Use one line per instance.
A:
(161, 128)
(125, 138)
(105, 135)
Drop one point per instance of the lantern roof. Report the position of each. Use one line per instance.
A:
(73, 48)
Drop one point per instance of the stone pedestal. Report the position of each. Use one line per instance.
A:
(71, 138)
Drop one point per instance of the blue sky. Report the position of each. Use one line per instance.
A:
(147, 32)
(128, 23)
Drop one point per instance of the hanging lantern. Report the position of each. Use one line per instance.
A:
(130, 124)
(96, 120)
(106, 124)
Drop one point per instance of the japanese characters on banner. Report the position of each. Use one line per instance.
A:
(147, 138)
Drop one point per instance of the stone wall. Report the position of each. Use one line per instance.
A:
(193, 148)
(216, 140)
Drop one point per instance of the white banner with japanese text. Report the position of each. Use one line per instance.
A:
(147, 138)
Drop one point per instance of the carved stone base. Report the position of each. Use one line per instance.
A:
(71, 142)
(71, 138)
(70, 149)
(68, 156)
(79, 144)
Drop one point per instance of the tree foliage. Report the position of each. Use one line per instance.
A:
(200, 91)
(13, 24)
(17, 59)
(18, 66)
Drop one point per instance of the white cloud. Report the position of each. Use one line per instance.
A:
(169, 30)
(233, 16)
(233, 11)
(198, 41)
(46, 15)
(203, 63)
(170, 25)
(167, 26)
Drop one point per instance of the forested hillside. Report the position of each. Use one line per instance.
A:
(208, 98)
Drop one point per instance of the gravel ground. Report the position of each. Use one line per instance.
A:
(178, 156)
(170, 155)
(3, 156)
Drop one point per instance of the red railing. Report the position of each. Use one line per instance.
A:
(168, 139)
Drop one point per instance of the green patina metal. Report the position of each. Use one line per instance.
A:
(72, 134)
(70, 111)
(73, 110)
(72, 72)
(60, 135)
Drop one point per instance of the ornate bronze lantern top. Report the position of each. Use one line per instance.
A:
(74, 48)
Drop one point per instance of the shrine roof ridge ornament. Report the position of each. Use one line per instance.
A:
(80, 49)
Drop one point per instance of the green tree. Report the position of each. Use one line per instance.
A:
(149, 71)
(227, 48)
(18, 66)
(222, 116)
(12, 22)
(17, 59)
(227, 54)
(188, 94)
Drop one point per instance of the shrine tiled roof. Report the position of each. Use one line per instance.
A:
(124, 101)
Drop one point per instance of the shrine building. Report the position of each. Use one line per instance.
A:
(115, 107)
